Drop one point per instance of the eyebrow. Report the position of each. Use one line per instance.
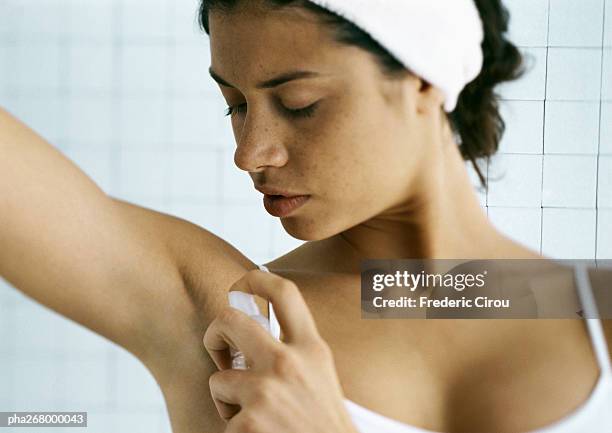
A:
(268, 84)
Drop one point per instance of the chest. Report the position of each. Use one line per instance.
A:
(451, 375)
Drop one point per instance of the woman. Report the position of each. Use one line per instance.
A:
(367, 146)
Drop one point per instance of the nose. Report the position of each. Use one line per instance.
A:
(259, 145)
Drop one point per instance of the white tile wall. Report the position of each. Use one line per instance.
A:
(37, 381)
(138, 421)
(524, 125)
(134, 388)
(185, 22)
(33, 67)
(4, 53)
(568, 233)
(198, 123)
(574, 74)
(42, 338)
(516, 180)
(576, 24)
(90, 21)
(6, 327)
(569, 181)
(90, 67)
(78, 368)
(247, 226)
(606, 86)
(40, 19)
(605, 145)
(145, 20)
(143, 173)
(143, 123)
(189, 70)
(141, 68)
(523, 224)
(195, 176)
(528, 22)
(604, 234)
(604, 190)
(121, 86)
(608, 24)
(89, 121)
(571, 127)
(9, 28)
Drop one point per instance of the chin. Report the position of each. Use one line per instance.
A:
(303, 228)
(310, 226)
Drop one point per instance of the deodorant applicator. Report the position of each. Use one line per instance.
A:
(245, 302)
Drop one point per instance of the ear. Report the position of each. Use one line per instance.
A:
(429, 98)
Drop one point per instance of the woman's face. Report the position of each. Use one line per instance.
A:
(357, 153)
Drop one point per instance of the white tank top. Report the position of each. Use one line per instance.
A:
(592, 416)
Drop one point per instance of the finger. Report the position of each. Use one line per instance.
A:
(232, 327)
(289, 306)
(225, 391)
(249, 420)
(220, 355)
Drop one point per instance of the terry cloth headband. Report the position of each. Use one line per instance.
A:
(439, 40)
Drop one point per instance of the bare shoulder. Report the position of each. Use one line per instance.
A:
(209, 264)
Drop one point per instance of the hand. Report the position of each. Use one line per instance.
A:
(291, 385)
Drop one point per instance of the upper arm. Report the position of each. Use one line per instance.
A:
(146, 280)
(81, 255)
(119, 269)
(66, 244)
(205, 267)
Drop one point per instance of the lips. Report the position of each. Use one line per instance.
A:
(280, 206)
(275, 191)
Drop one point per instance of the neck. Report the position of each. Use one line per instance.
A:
(443, 218)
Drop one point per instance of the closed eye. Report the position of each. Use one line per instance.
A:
(302, 112)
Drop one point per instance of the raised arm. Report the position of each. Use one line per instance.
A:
(121, 270)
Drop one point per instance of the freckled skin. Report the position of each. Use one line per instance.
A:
(377, 157)
(386, 180)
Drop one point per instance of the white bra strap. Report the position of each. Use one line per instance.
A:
(585, 292)
(274, 325)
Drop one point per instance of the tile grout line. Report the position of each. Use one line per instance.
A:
(544, 132)
(601, 79)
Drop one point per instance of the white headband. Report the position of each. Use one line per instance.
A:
(439, 40)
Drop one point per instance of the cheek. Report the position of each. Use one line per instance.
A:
(359, 151)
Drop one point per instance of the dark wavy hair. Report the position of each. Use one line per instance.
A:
(475, 121)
